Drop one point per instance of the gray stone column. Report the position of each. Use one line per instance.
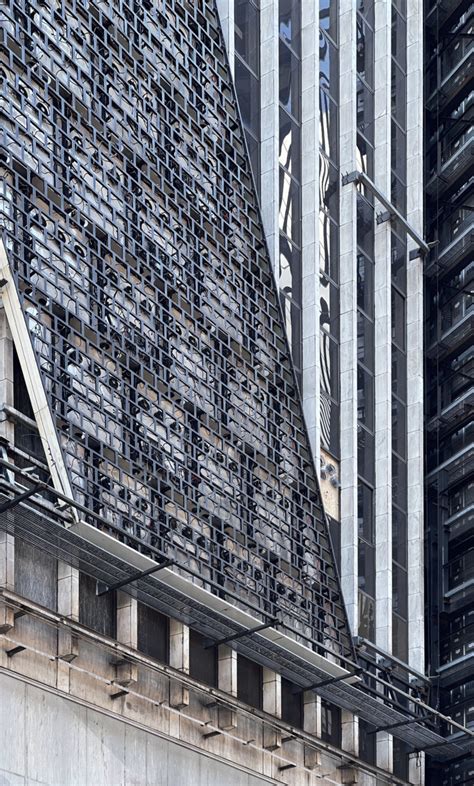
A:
(272, 705)
(269, 125)
(127, 633)
(179, 659)
(312, 724)
(68, 606)
(227, 681)
(349, 732)
(383, 352)
(7, 578)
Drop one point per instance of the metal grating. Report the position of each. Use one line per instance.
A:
(47, 533)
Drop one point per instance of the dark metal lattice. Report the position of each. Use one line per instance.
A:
(133, 230)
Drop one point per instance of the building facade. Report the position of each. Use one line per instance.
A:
(211, 335)
(449, 365)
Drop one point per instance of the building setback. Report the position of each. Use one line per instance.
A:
(209, 338)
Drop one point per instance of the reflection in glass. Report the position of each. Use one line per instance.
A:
(247, 33)
(328, 247)
(289, 22)
(328, 139)
(289, 80)
(289, 214)
(289, 153)
(365, 51)
(248, 92)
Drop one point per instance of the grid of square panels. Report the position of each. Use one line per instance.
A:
(133, 230)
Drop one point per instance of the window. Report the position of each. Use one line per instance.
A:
(365, 284)
(202, 659)
(289, 80)
(330, 723)
(247, 33)
(96, 612)
(153, 630)
(248, 91)
(365, 511)
(289, 154)
(367, 740)
(289, 23)
(291, 703)
(36, 574)
(249, 682)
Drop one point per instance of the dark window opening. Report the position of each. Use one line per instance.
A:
(249, 682)
(153, 630)
(36, 574)
(96, 612)
(202, 660)
(330, 723)
(291, 703)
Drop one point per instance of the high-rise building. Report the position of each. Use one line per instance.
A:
(211, 524)
(449, 366)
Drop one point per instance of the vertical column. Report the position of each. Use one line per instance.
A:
(179, 659)
(348, 299)
(312, 724)
(127, 633)
(310, 224)
(383, 353)
(68, 606)
(269, 124)
(416, 650)
(349, 733)
(7, 541)
(225, 9)
(227, 681)
(272, 705)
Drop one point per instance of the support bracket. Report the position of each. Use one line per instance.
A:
(246, 632)
(134, 577)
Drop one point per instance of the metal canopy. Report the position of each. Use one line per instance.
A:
(49, 530)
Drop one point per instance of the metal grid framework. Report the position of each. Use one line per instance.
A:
(44, 526)
(133, 231)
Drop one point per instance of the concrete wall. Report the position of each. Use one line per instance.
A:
(49, 740)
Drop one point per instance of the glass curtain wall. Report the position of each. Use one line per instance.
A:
(365, 324)
(329, 225)
(289, 159)
(247, 75)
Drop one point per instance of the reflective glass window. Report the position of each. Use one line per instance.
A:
(399, 637)
(329, 352)
(365, 454)
(365, 226)
(365, 511)
(398, 150)
(365, 110)
(202, 659)
(399, 262)
(399, 426)
(247, 32)
(248, 91)
(328, 138)
(328, 65)
(399, 94)
(365, 158)
(366, 616)
(329, 305)
(152, 633)
(289, 153)
(330, 723)
(365, 341)
(290, 269)
(328, 247)
(399, 373)
(249, 682)
(399, 591)
(328, 17)
(291, 704)
(399, 194)
(399, 536)
(366, 8)
(398, 319)
(399, 38)
(329, 417)
(289, 80)
(365, 51)
(328, 186)
(290, 212)
(365, 397)
(365, 284)
(399, 482)
(366, 567)
(289, 22)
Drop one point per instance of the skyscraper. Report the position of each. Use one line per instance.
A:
(176, 422)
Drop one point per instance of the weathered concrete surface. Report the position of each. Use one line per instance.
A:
(48, 740)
